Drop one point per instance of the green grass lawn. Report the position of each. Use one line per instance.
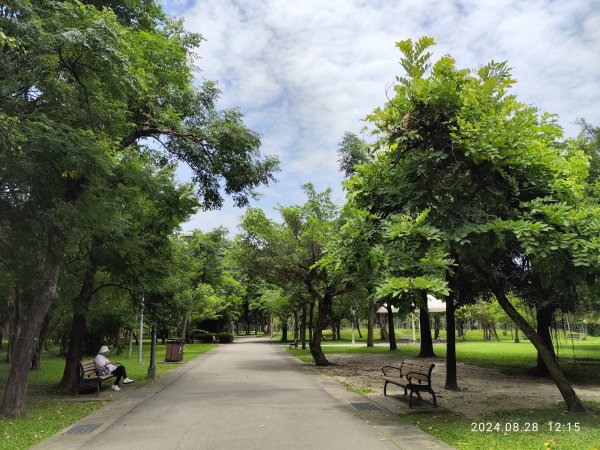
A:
(505, 356)
(551, 428)
(47, 412)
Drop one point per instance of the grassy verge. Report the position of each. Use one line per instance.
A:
(46, 412)
(551, 428)
(362, 390)
(506, 356)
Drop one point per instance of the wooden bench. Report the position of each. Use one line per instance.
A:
(412, 375)
(87, 375)
(293, 344)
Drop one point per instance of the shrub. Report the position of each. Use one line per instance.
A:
(593, 329)
(225, 338)
(202, 336)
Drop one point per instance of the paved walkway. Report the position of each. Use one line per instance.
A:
(247, 395)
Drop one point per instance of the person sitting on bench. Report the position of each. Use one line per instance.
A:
(104, 366)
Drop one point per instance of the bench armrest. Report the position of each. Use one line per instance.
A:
(390, 368)
(408, 376)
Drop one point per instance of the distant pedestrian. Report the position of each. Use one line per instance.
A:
(104, 367)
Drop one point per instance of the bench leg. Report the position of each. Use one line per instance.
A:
(98, 389)
(410, 399)
(385, 388)
(434, 399)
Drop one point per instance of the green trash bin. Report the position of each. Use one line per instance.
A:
(174, 350)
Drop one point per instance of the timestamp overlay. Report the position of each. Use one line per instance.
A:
(525, 427)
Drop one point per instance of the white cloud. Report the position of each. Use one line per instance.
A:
(303, 72)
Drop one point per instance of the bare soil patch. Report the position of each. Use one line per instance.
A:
(482, 390)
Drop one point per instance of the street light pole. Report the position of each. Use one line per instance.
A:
(141, 333)
(152, 367)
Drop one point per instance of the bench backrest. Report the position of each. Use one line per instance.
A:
(416, 370)
(88, 369)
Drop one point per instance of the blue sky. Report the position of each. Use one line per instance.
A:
(304, 71)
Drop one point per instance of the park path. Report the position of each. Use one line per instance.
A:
(247, 395)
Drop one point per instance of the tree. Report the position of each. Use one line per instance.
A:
(389, 257)
(287, 252)
(352, 152)
(354, 258)
(80, 86)
(195, 276)
(128, 242)
(489, 171)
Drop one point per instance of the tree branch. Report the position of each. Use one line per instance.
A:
(102, 286)
(149, 130)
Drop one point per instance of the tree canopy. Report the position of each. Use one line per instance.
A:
(83, 84)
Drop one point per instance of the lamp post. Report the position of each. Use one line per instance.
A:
(141, 333)
(152, 367)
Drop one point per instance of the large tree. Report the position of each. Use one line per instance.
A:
(127, 244)
(79, 86)
(489, 171)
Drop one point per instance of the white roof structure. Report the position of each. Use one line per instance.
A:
(434, 305)
(383, 310)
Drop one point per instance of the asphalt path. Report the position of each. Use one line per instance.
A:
(247, 395)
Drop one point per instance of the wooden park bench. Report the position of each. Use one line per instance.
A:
(412, 375)
(87, 375)
(293, 344)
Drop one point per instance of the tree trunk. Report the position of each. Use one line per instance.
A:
(119, 350)
(451, 375)
(311, 314)
(130, 350)
(461, 329)
(391, 330)
(296, 335)
(371, 324)
(426, 343)
(516, 334)
(494, 332)
(13, 404)
(284, 330)
(323, 315)
(544, 321)
(384, 329)
(436, 326)
(183, 326)
(36, 363)
(303, 327)
(572, 401)
(81, 303)
(358, 328)
(14, 318)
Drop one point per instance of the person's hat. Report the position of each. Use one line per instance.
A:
(103, 349)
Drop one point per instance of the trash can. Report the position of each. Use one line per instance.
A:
(174, 350)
